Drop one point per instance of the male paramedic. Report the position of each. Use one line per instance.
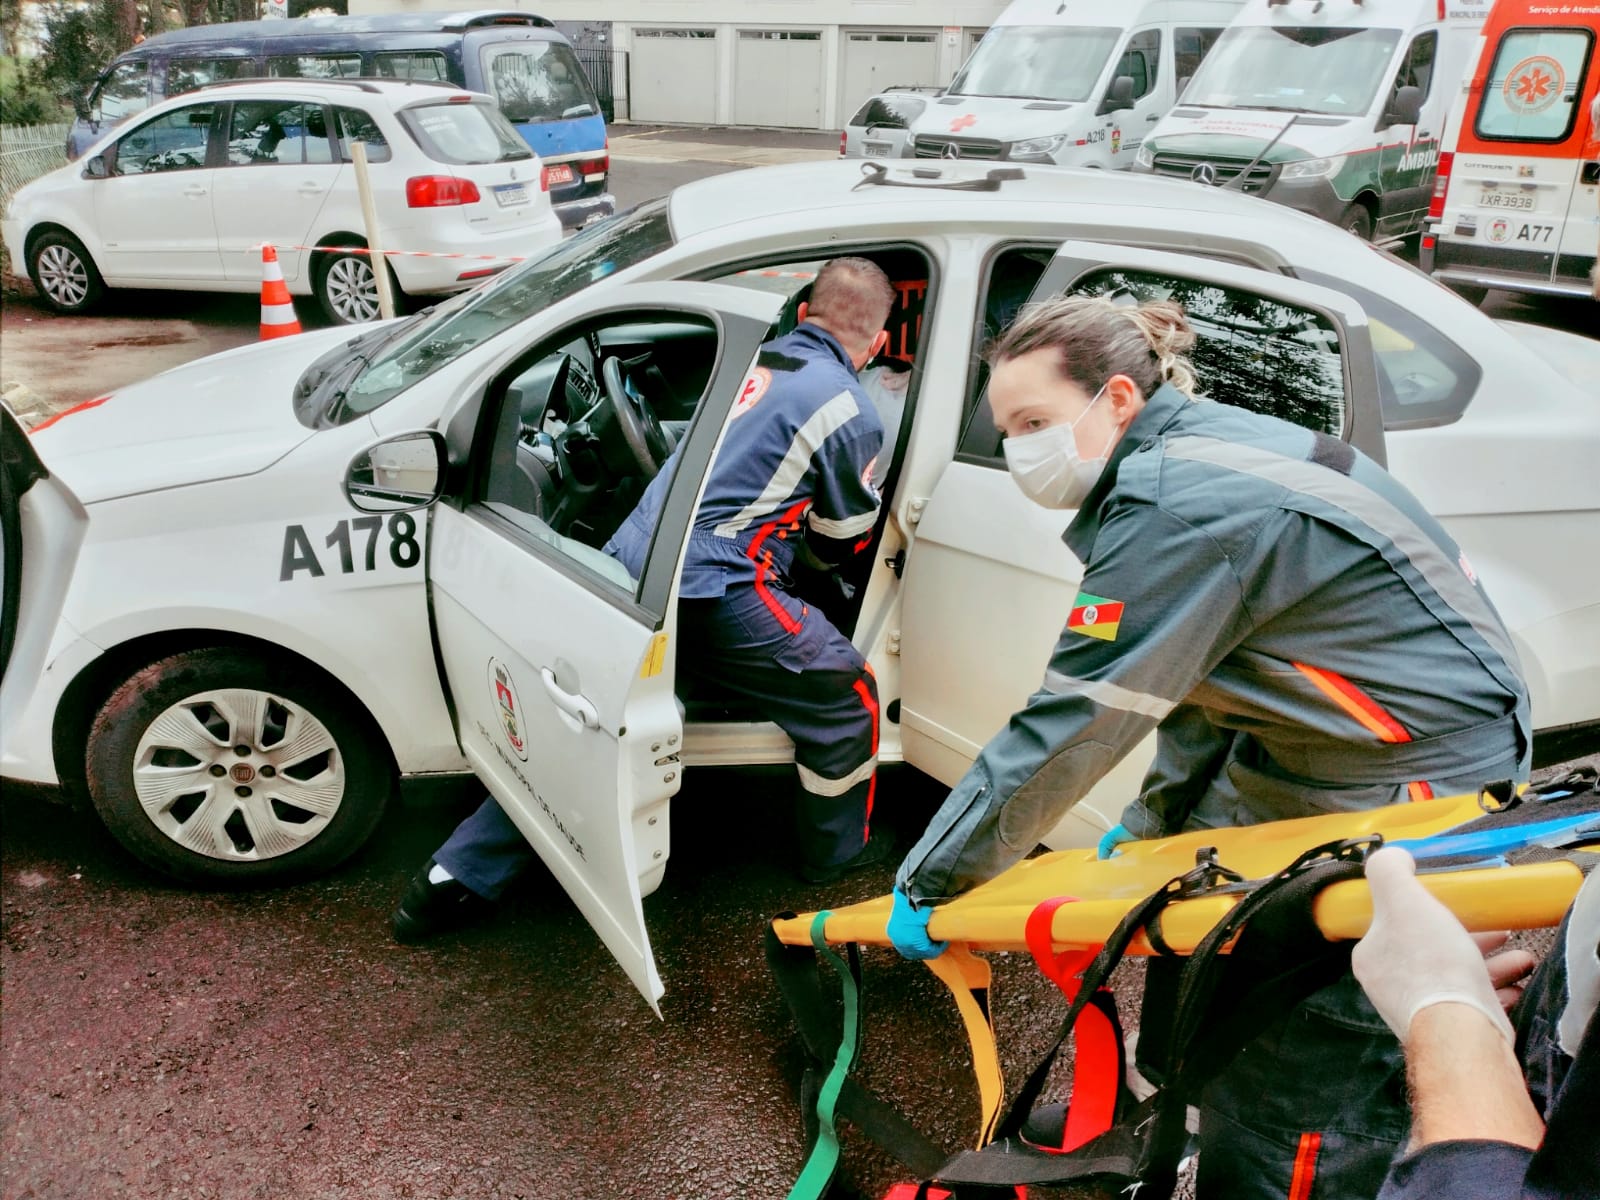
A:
(792, 484)
(1301, 636)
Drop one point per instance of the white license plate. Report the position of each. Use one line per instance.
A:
(560, 173)
(511, 194)
(875, 149)
(1506, 200)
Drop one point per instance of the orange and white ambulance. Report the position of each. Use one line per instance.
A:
(1517, 202)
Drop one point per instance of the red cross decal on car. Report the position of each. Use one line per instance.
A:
(964, 121)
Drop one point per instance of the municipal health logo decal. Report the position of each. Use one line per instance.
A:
(1534, 84)
(504, 690)
(1500, 230)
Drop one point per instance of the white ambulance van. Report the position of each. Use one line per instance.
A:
(1077, 83)
(1334, 107)
(1517, 204)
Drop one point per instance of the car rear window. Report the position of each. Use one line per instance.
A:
(466, 133)
(539, 81)
(889, 112)
(358, 126)
(1534, 84)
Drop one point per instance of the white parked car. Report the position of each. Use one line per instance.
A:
(185, 196)
(881, 127)
(315, 564)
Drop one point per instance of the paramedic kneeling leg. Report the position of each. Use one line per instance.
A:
(792, 483)
(1302, 636)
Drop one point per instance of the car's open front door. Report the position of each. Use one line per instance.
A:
(988, 582)
(560, 666)
(41, 527)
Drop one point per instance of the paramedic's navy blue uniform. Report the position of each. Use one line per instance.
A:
(795, 463)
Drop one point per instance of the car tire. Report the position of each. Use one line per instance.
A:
(64, 274)
(1357, 219)
(348, 290)
(166, 774)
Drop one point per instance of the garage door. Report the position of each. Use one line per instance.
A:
(875, 61)
(673, 76)
(778, 78)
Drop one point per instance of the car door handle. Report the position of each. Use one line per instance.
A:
(311, 189)
(1153, 117)
(194, 191)
(577, 707)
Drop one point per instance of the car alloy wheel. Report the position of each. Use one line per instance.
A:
(62, 276)
(239, 773)
(350, 290)
(237, 766)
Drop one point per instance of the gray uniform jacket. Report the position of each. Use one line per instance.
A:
(1302, 635)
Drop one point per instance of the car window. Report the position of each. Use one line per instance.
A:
(411, 64)
(1424, 378)
(355, 125)
(1012, 275)
(557, 466)
(472, 318)
(315, 66)
(1534, 84)
(1252, 351)
(175, 141)
(538, 81)
(1417, 69)
(889, 112)
(123, 92)
(1140, 61)
(1190, 45)
(265, 132)
(186, 74)
(456, 132)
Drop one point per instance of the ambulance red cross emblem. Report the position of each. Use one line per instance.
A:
(964, 121)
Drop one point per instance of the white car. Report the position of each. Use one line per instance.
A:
(184, 196)
(881, 127)
(317, 563)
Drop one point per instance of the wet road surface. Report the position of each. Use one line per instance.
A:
(277, 1044)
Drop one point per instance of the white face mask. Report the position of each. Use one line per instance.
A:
(1047, 467)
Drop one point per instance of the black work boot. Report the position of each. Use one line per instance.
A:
(878, 850)
(427, 908)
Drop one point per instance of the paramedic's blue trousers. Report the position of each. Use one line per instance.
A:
(788, 662)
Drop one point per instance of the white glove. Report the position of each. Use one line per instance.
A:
(1416, 954)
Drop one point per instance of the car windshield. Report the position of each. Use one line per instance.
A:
(472, 319)
(1332, 71)
(1036, 62)
(463, 132)
(538, 81)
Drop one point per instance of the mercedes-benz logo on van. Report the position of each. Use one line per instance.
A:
(1204, 173)
(951, 150)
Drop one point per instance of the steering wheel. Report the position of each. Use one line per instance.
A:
(642, 432)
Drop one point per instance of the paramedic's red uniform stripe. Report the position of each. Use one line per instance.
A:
(763, 560)
(1305, 1166)
(869, 701)
(1368, 712)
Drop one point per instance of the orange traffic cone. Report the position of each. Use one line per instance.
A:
(277, 310)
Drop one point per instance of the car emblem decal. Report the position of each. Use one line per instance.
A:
(513, 174)
(504, 689)
(1534, 84)
(952, 150)
(1500, 230)
(1204, 173)
(242, 772)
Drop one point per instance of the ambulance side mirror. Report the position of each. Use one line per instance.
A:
(1405, 108)
(1120, 96)
(400, 473)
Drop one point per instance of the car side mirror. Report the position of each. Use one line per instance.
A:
(1405, 108)
(1120, 96)
(80, 107)
(398, 474)
(97, 167)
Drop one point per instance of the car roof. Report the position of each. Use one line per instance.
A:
(397, 91)
(836, 193)
(301, 27)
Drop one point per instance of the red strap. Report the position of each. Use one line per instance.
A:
(1097, 1061)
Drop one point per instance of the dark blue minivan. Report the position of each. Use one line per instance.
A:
(520, 59)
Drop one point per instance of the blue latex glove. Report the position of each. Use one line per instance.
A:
(908, 930)
(1113, 838)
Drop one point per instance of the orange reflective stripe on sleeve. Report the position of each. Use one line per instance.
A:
(1305, 1166)
(1356, 703)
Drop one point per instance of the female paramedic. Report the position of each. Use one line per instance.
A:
(1302, 636)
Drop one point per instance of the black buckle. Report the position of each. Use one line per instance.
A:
(1207, 875)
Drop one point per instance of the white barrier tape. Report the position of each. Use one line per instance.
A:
(404, 253)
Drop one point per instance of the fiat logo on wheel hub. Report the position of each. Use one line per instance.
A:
(242, 772)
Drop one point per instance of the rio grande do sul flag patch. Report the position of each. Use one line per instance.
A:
(1095, 616)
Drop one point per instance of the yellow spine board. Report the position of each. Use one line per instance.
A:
(994, 916)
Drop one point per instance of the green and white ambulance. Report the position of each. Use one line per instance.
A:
(1334, 107)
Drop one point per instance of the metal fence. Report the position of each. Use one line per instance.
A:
(27, 152)
(606, 69)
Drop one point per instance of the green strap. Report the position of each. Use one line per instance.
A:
(824, 1160)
